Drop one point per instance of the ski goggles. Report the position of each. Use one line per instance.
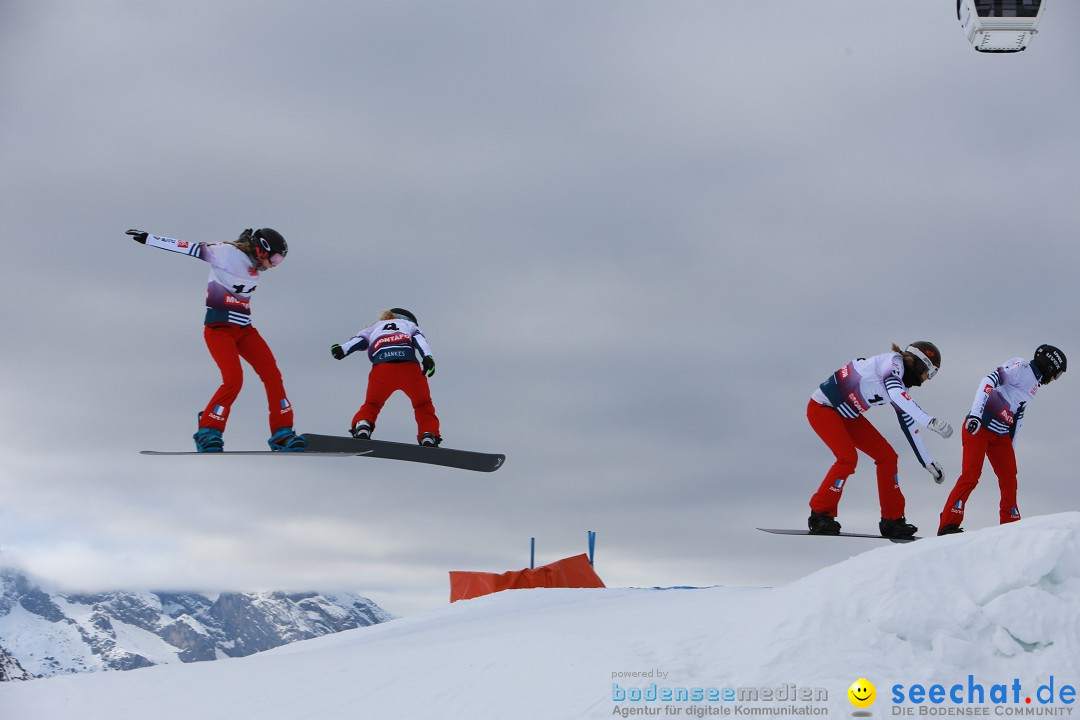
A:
(273, 259)
(266, 252)
(931, 368)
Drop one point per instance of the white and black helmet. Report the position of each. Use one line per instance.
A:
(928, 353)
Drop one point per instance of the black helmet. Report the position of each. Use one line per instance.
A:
(928, 353)
(268, 242)
(404, 315)
(1050, 362)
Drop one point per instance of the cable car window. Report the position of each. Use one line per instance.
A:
(1007, 8)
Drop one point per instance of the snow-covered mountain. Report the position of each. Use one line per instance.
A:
(10, 669)
(986, 623)
(52, 633)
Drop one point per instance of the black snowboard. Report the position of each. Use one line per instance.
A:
(447, 457)
(335, 446)
(843, 534)
(309, 453)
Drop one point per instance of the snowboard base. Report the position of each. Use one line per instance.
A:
(781, 531)
(410, 452)
(334, 446)
(252, 452)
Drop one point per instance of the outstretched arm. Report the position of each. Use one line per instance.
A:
(357, 342)
(170, 244)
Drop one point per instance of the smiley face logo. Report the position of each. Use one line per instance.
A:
(862, 693)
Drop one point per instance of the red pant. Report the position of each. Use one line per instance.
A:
(387, 378)
(227, 344)
(999, 449)
(845, 437)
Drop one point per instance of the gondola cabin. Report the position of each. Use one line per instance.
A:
(1000, 26)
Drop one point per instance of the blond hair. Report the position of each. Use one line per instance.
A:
(243, 245)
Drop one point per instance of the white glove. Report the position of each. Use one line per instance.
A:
(941, 427)
(936, 472)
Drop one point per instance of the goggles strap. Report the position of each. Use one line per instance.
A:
(931, 369)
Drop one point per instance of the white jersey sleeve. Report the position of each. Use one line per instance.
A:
(908, 411)
(902, 401)
(359, 341)
(178, 246)
(421, 342)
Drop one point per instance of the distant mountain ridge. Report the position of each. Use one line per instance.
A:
(10, 669)
(49, 633)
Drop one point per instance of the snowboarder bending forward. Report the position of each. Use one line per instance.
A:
(990, 430)
(391, 344)
(234, 273)
(836, 412)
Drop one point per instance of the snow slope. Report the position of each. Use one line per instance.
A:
(993, 609)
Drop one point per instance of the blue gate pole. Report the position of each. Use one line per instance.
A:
(592, 545)
(532, 554)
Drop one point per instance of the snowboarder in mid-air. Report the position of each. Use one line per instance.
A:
(234, 273)
(835, 412)
(392, 343)
(990, 430)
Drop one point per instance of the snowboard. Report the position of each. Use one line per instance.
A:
(254, 452)
(843, 534)
(446, 457)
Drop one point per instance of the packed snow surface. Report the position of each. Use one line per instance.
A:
(992, 617)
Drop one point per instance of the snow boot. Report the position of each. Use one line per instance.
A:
(898, 528)
(286, 440)
(430, 440)
(362, 430)
(823, 524)
(950, 530)
(209, 440)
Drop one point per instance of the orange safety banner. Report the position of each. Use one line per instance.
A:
(572, 572)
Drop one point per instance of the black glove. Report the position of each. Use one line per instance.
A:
(972, 424)
(138, 235)
(244, 236)
(337, 352)
(429, 365)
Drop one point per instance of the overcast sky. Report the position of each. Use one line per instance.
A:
(637, 235)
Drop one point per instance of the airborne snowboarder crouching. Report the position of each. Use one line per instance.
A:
(990, 430)
(391, 344)
(229, 335)
(835, 412)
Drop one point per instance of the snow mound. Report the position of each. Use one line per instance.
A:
(985, 607)
(995, 599)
